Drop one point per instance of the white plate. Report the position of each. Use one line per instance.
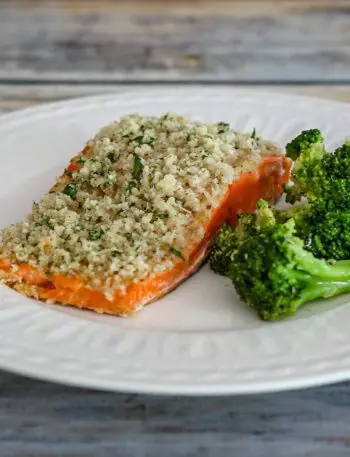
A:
(199, 339)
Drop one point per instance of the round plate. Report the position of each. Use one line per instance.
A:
(200, 339)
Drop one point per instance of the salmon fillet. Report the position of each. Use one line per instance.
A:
(135, 213)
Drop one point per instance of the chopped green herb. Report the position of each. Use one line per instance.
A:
(130, 185)
(37, 224)
(71, 190)
(112, 156)
(177, 253)
(141, 140)
(163, 216)
(138, 139)
(253, 135)
(138, 167)
(179, 201)
(95, 235)
(223, 127)
(80, 161)
(67, 172)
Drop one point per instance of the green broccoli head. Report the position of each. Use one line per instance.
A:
(303, 142)
(326, 233)
(318, 174)
(335, 191)
(275, 275)
(307, 150)
(223, 247)
(252, 223)
(227, 238)
(324, 222)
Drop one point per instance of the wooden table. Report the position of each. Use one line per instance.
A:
(52, 50)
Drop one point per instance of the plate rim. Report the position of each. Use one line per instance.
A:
(176, 388)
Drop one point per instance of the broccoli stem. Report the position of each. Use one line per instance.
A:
(331, 272)
(320, 269)
(313, 292)
(323, 290)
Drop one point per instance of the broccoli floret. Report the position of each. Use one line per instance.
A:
(307, 150)
(323, 223)
(252, 223)
(227, 239)
(224, 244)
(319, 175)
(303, 142)
(275, 274)
(335, 183)
(264, 216)
(326, 233)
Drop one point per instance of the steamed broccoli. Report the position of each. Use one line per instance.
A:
(303, 142)
(307, 150)
(325, 232)
(335, 185)
(275, 275)
(320, 176)
(323, 223)
(227, 239)
(277, 259)
(224, 244)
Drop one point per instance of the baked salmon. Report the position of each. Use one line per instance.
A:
(135, 213)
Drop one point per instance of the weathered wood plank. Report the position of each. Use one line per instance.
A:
(13, 97)
(240, 41)
(245, 7)
(42, 419)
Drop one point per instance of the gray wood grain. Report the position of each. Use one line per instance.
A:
(19, 96)
(42, 419)
(237, 41)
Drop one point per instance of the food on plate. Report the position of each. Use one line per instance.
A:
(227, 239)
(307, 150)
(323, 178)
(135, 213)
(274, 273)
(279, 259)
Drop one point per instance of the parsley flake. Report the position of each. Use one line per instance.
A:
(138, 167)
(112, 156)
(71, 190)
(177, 253)
(223, 127)
(95, 235)
(138, 139)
